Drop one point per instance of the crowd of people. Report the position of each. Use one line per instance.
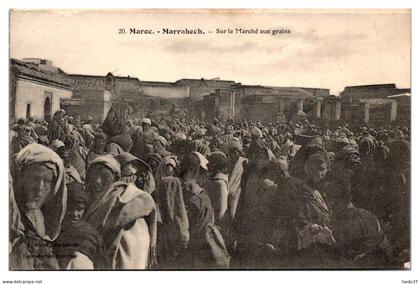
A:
(180, 193)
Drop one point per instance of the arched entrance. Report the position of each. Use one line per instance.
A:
(47, 108)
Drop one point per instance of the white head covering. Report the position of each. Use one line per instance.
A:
(146, 121)
(108, 161)
(56, 144)
(203, 160)
(180, 136)
(256, 132)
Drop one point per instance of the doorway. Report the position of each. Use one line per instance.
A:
(47, 108)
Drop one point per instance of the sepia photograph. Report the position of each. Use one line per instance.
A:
(209, 139)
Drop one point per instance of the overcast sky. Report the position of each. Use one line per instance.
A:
(326, 49)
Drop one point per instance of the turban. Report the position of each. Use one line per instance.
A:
(146, 121)
(108, 161)
(203, 160)
(256, 132)
(180, 136)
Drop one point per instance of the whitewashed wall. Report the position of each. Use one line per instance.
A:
(35, 93)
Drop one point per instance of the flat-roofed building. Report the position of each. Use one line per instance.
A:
(36, 89)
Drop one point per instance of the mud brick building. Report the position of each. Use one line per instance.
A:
(37, 88)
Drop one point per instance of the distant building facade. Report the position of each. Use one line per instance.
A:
(263, 103)
(374, 104)
(36, 89)
(403, 107)
(95, 95)
(183, 93)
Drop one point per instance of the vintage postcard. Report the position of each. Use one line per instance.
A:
(197, 139)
